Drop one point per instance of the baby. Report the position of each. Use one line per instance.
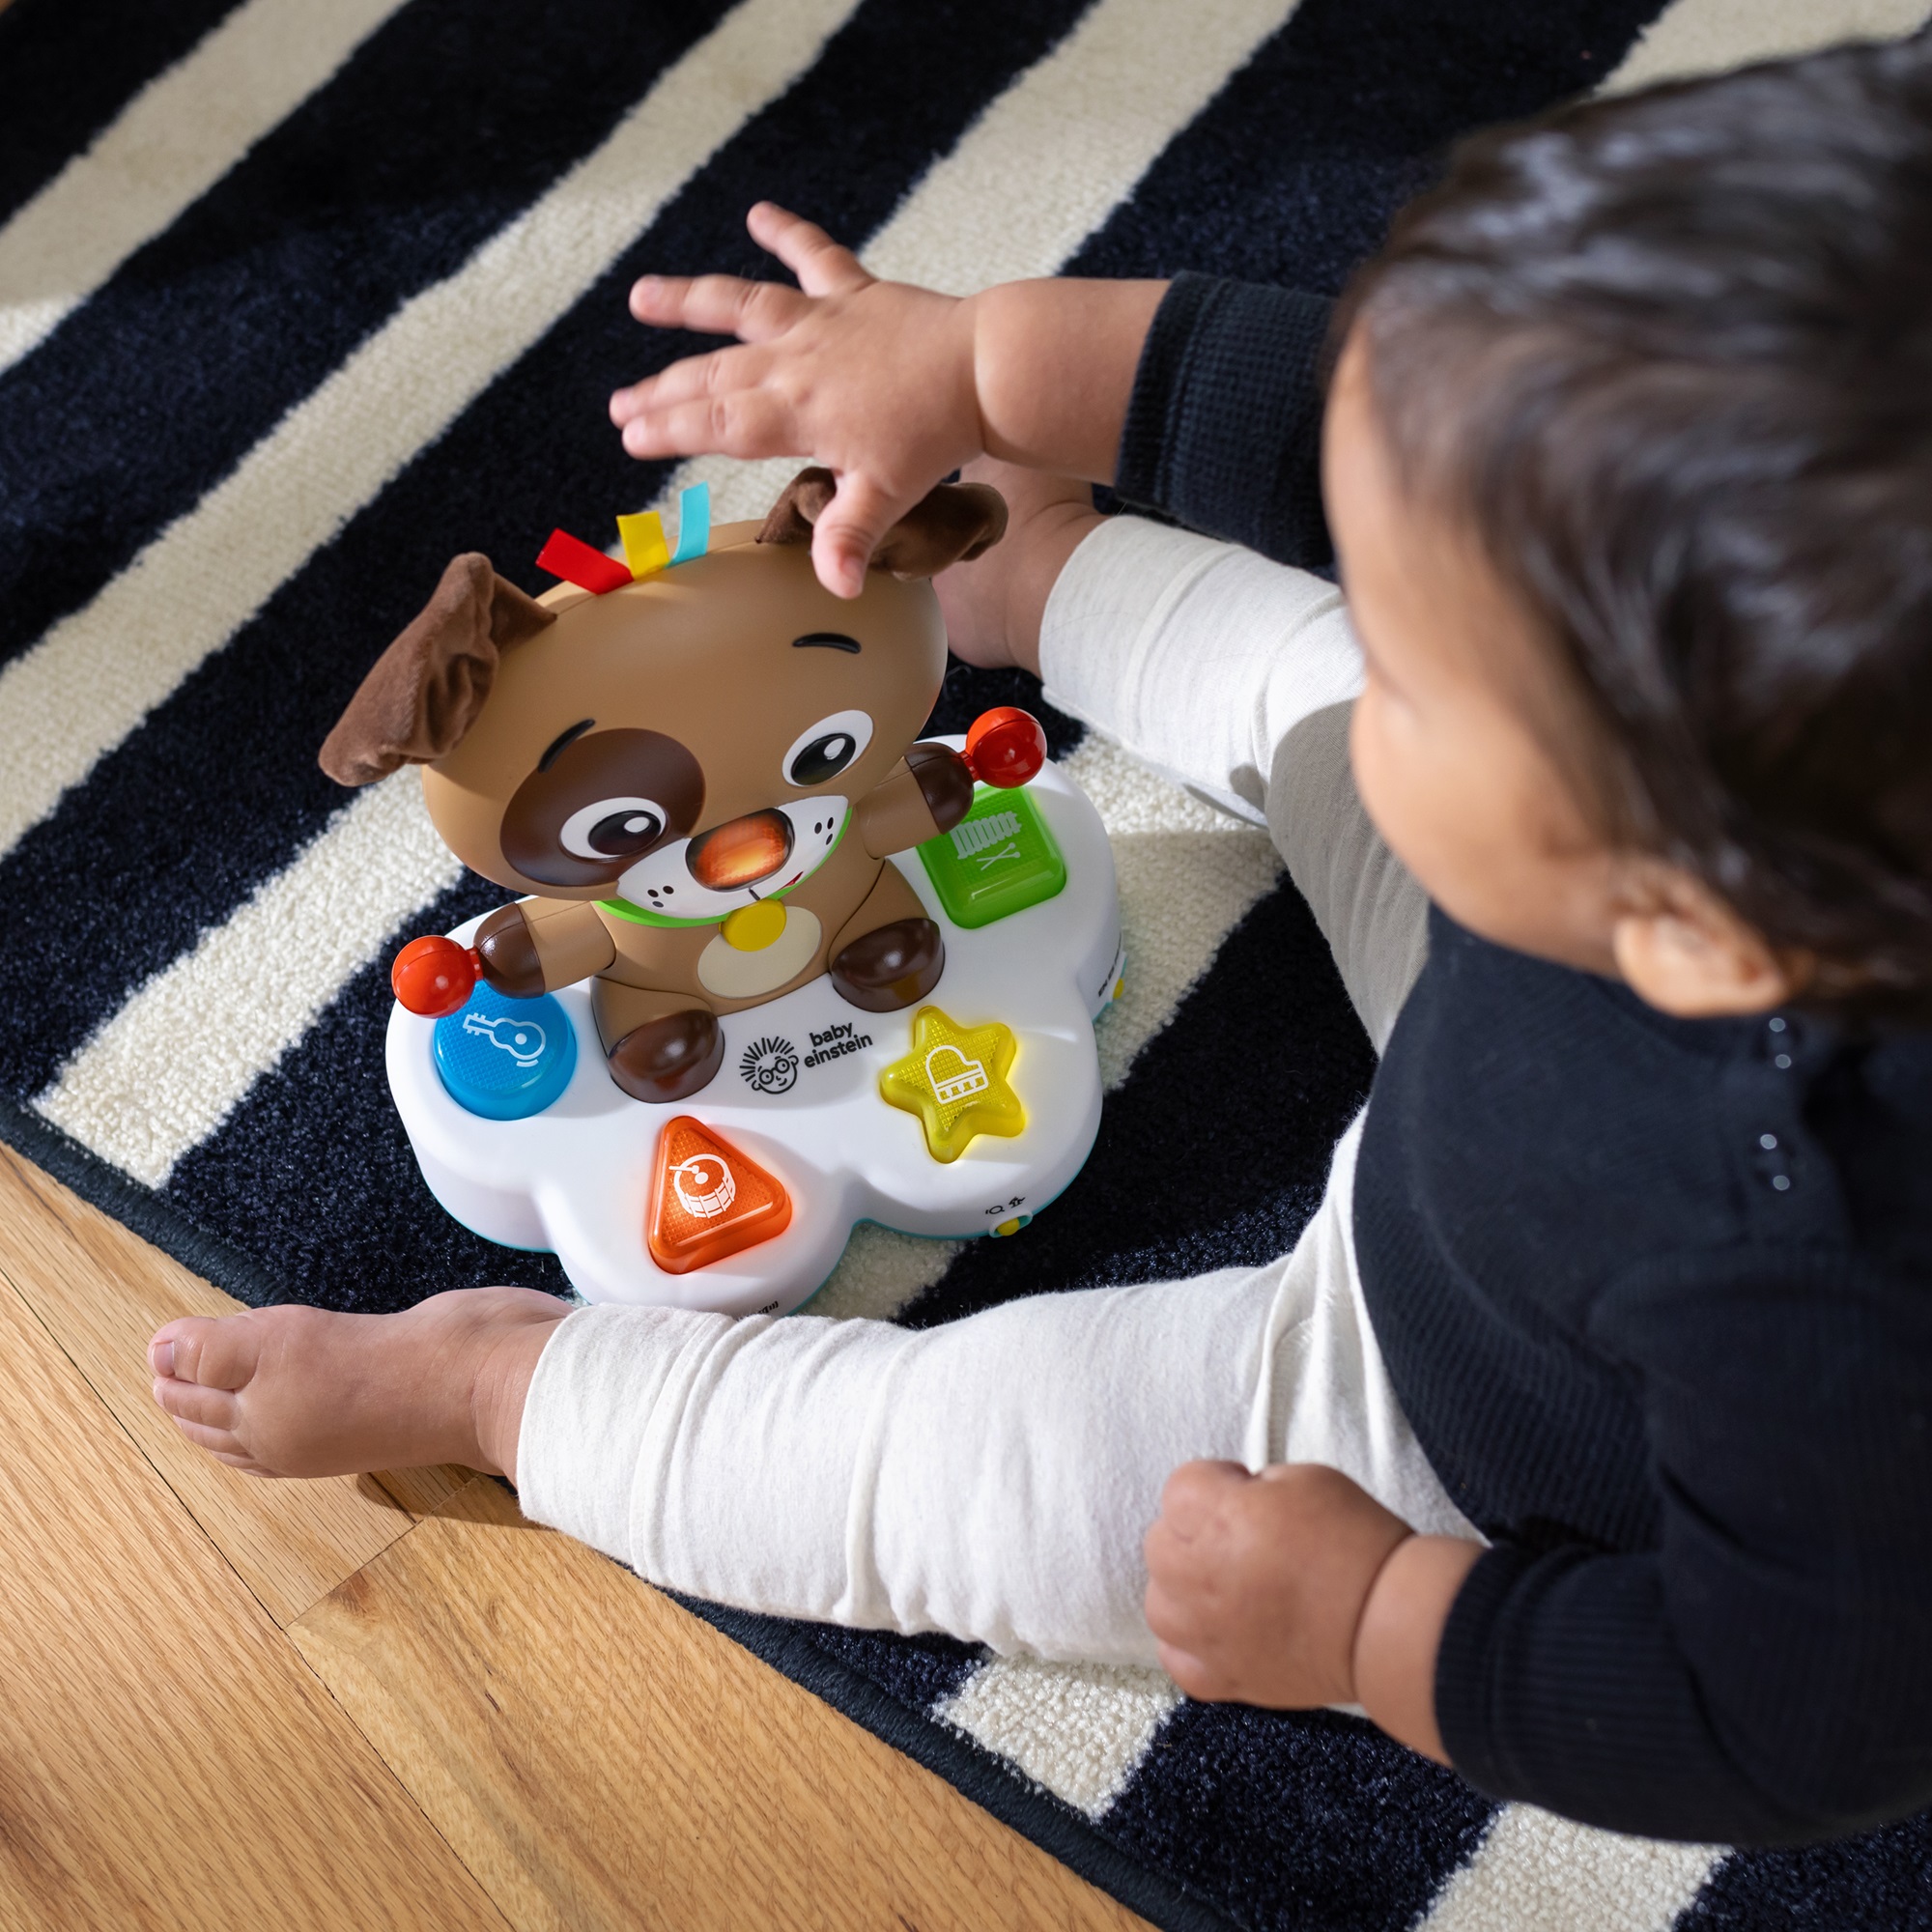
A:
(1584, 1438)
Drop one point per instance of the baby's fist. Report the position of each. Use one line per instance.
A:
(1255, 1584)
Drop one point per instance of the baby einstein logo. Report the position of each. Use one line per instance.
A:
(770, 1065)
(835, 1041)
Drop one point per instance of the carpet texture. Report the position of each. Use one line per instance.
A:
(297, 298)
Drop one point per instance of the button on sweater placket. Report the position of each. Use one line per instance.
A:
(1772, 1151)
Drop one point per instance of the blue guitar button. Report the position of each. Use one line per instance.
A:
(505, 1059)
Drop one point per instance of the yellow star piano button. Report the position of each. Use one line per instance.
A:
(954, 1079)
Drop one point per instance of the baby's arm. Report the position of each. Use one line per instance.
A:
(893, 388)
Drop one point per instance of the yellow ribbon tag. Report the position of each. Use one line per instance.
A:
(646, 549)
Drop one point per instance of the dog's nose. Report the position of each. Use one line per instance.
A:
(740, 852)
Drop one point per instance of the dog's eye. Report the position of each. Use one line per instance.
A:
(613, 827)
(820, 754)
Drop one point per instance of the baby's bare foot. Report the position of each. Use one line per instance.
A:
(993, 606)
(303, 1392)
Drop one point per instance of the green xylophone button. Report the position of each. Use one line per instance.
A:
(996, 860)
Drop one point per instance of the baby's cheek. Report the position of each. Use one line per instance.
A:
(1393, 766)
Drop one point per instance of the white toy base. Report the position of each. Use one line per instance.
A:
(576, 1177)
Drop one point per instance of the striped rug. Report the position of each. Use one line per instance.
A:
(298, 298)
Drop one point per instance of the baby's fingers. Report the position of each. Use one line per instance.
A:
(745, 424)
(848, 531)
(718, 305)
(718, 374)
(822, 266)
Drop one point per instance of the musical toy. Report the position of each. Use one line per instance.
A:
(781, 965)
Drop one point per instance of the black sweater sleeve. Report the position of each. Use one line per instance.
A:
(1224, 429)
(1760, 1678)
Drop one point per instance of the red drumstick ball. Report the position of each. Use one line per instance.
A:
(435, 976)
(1004, 747)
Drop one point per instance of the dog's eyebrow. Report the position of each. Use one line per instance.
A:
(562, 739)
(832, 640)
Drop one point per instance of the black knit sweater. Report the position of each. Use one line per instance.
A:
(1656, 1296)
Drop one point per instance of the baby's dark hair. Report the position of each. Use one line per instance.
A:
(1668, 359)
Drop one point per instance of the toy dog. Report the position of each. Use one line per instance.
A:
(697, 771)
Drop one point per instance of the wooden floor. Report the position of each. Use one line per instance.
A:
(369, 1703)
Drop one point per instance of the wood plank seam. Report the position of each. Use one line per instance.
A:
(101, 1291)
(114, 1422)
(165, 1746)
(356, 1725)
(301, 1661)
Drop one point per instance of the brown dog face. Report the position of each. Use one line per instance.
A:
(691, 742)
(734, 687)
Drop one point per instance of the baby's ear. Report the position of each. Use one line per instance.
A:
(424, 691)
(952, 524)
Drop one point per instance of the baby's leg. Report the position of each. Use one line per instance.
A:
(993, 605)
(992, 1478)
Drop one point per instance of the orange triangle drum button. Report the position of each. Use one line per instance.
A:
(708, 1200)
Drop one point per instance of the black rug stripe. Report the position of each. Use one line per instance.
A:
(1882, 1880)
(383, 182)
(1293, 175)
(1287, 1818)
(219, 787)
(62, 79)
(1296, 1821)
(155, 1218)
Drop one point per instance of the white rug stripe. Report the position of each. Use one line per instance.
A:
(168, 147)
(1707, 36)
(93, 676)
(1080, 1729)
(1040, 170)
(1052, 156)
(1535, 1872)
(173, 1062)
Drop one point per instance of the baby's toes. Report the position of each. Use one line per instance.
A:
(221, 1443)
(217, 1355)
(196, 1408)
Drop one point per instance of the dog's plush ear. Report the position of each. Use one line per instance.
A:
(424, 691)
(952, 524)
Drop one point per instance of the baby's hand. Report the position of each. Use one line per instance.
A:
(1255, 1584)
(873, 379)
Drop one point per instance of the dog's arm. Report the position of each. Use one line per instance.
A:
(929, 793)
(538, 945)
